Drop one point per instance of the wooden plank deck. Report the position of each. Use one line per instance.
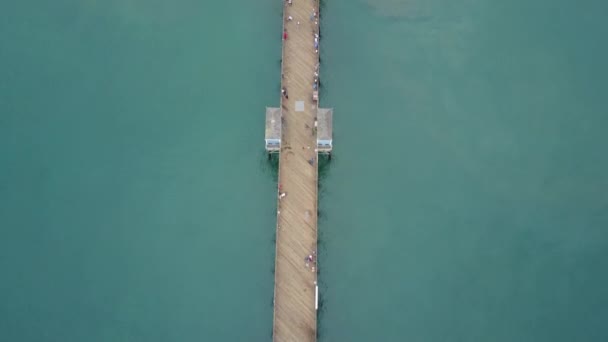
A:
(295, 316)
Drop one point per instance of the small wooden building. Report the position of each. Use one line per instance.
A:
(273, 130)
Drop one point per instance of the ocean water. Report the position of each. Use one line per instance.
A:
(466, 200)
(136, 203)
(467, 197)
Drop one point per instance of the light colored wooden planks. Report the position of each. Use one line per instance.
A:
(295, 317)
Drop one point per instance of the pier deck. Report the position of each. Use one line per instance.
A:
(295, 316)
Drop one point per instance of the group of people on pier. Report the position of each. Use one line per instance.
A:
(314, 17)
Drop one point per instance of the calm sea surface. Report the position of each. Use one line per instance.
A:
(467, 199)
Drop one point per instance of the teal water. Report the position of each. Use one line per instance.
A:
(136, 202)
(466, 200)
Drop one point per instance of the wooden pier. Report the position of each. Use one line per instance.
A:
(298, 131)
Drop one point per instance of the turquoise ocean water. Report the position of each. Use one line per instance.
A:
(466, 200)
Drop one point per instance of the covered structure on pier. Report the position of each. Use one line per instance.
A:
(324, 129)
(273, 130)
